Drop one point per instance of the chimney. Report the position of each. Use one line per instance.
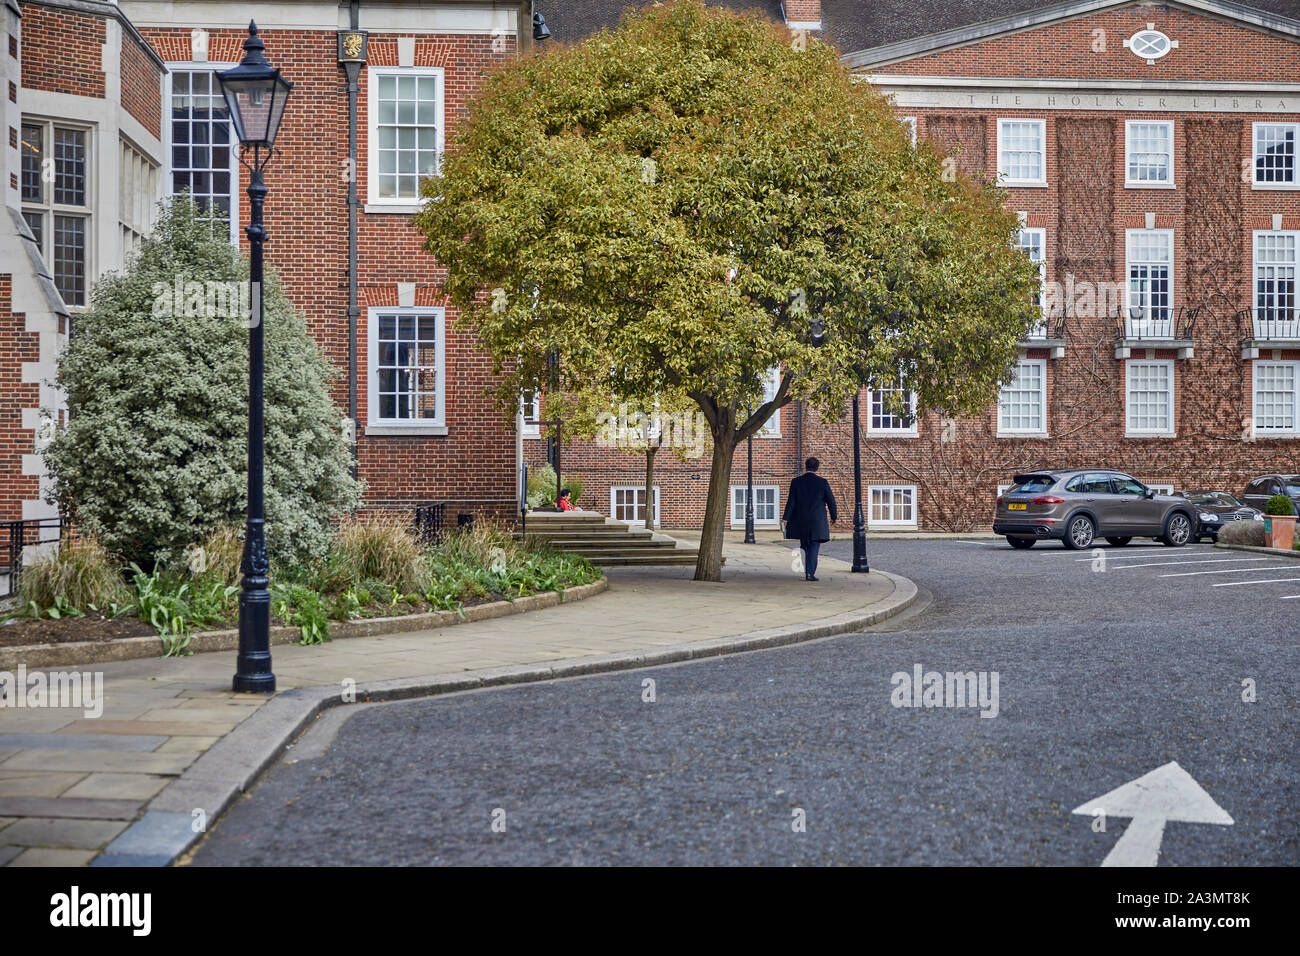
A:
(802, 14)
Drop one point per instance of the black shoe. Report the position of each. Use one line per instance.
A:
(810, 577)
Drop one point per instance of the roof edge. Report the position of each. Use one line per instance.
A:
(971, 33)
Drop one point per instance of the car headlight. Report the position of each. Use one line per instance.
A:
(1259, 517)
(1209, 517)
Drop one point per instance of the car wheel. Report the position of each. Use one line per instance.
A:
(1178, 531)
(1021, 543)
(1080, 533)
(1120, 541)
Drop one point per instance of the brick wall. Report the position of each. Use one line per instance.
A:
(306, 216)
(17, 346)
(141, 91)
(63, 51)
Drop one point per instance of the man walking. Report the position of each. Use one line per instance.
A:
(806, 505)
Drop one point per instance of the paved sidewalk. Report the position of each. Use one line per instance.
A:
(73, 787)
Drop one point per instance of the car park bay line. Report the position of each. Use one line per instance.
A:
(1159, 564)
(1234, 584)
(1187, 574)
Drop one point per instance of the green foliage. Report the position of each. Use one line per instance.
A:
(303, 608)
(383, 550)
(79, 574)
(678, 198)
(218, 556)
(162, 603)
(1279, 505)
(154, 456)
(541, 487)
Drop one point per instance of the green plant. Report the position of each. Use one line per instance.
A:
(574, 484)
(162, 603)
(382, 550)
(154, 454)
(217, 557)
(1279, 505)
(303, 608)
(541, 487)
(78, 574)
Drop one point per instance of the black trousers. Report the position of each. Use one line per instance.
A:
(810, 549)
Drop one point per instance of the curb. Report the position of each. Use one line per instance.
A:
(1273, 552)
(232, 765)
(134, 648)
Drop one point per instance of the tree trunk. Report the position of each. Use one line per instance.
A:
(651, 515)
(709, 565)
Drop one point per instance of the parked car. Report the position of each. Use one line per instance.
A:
(1077, 505)
(1214, 509)
(1261, 489)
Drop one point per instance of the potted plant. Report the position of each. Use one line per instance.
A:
(1279, 522)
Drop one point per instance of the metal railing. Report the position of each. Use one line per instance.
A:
(15, 538)
(430, 521)
(1275, 325)
(1132, 324)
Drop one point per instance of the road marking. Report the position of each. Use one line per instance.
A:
(1152, 800)
(1158, 564)
(1188, 574)
(1236, 584)
(1289, 597)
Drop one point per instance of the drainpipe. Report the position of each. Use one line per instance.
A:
(353, 71)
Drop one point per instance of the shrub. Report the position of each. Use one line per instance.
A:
(1243, 532)
(154, 456)
(541, 487)
(217, 557)
(574, 484)
(381, 550)
(80, 574)
(1279, 505)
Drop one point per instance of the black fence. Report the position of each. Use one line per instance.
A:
(430, 521)
(15, 538)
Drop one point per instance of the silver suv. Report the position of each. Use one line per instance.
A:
(1079, 504)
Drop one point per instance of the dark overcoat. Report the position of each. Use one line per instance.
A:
(806, 504)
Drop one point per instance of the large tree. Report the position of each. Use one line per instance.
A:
(702, 195)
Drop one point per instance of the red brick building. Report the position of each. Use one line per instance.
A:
(1150, 149)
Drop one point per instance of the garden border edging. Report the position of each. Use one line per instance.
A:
(76, 653)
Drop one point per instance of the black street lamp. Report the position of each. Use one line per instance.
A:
(749, 487)
(817, 330)
(255, 95)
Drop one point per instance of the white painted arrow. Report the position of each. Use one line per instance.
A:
(1166, 793)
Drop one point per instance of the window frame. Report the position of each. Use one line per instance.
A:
(532, 427)
(376, 425)
(1131, 183)
(873, 522)
(1255, 310)
(639, 493)
(1171, 404)
(48, 209)
(738, 507)
(907, 431)
(191, 66)
(405, 205)
(1002, 432)
(1004, 180)
(1255, 182)
(1130, 322)
(772, 427)
(1269, 432)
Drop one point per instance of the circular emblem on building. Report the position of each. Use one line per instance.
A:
(1149, 44)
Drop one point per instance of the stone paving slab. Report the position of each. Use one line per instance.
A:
(64, 806)
(174, 738)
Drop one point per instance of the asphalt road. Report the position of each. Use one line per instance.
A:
(1103, 676)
